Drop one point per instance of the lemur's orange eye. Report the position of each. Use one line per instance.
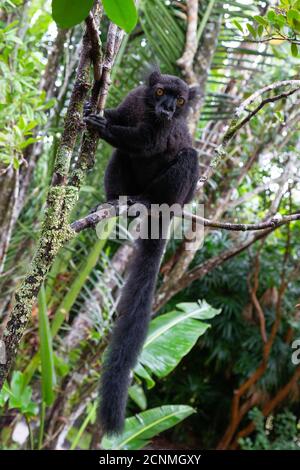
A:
(180, 101)
(159, 92)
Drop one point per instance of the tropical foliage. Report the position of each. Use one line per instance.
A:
(226, 315)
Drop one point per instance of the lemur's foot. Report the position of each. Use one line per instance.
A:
(132, 200)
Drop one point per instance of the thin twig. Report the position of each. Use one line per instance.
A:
(235, 126)
(272, 99)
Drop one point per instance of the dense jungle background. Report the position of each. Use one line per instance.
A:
(220, 368)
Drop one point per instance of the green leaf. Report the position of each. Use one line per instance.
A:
(280, 20)
(293, 17)
(49, 104)
(61, 367)
(31, 125)
(31, 409)
(251, 30)
(137, 394)
(20, 395)
(294, 50)
(68, 13)
(29, 141)
(121, 12)
(92, 411)
(279, 116)
(17, 384)
(284, 3)
(4, 394)
(141, 372)
(238, 25)
(16, 163)
(140, 429)
(261, 20)
(260, 30)
(47, 358)
(172, 336)
(271, 15)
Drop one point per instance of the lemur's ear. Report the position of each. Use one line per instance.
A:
(154, 77)
(194, 92)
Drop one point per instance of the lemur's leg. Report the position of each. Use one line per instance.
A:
(176, 183)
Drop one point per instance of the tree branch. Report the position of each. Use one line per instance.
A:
(271, 99)
(235, 126)
(61, 200)
(96, 52)
(105, 211)
(186, 61)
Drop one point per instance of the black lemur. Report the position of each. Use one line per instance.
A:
(155, 162)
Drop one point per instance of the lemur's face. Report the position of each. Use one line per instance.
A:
(169, 95)
(168, 101)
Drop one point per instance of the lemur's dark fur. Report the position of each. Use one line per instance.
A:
(153, 161)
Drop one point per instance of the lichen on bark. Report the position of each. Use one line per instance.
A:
(61, 200)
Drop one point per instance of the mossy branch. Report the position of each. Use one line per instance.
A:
(63, 192)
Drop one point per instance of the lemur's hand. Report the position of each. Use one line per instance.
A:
(97, 123)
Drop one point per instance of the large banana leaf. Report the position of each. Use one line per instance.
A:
(171, 337)
(139, 429)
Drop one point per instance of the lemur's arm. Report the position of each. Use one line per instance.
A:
(113, 116)
(137, 140)
(128, 138)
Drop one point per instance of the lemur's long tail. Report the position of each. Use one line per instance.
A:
(129, 333)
